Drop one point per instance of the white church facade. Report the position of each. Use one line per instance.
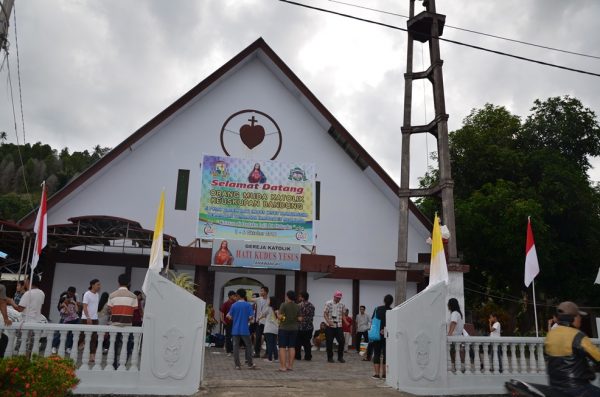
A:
(356, 205)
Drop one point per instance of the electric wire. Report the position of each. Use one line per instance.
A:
(473, 31)
(511, 298)
(19, 73)
(444, 39)
(12, 100)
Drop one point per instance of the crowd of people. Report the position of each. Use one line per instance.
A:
(119, 308)
(286, 329)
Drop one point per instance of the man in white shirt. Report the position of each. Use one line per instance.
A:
(262, 302)
(334, 311)
(89, 315)
(363, 323)
(31, 307)
(495, 328)
(31, 302)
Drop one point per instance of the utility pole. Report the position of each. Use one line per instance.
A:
(5, 10)
(427, 26)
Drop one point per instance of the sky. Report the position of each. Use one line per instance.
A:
(93, 72)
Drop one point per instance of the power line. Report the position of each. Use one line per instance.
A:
(473, 31)
(511, 298)
(12, 99)
(443, 39)
(19, 74)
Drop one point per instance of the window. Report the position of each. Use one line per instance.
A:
(183, 181)
(317, 200)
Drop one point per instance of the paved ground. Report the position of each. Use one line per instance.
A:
(309, 378)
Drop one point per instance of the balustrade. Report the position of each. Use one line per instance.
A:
(32, 338)
(497, 355)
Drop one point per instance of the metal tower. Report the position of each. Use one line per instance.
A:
(427, 27)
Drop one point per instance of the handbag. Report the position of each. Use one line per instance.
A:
(375, 330)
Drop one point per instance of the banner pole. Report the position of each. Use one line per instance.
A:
(535, 310)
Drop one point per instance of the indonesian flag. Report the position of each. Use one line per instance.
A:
(532, 267)
(438, 270)
(41, 230)
(156, 252)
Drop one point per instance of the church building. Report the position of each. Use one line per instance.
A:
(100, 224)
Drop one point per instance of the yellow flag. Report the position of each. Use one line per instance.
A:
(156, 252)
(438, 269)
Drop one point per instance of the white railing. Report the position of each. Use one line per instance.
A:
(484, 364)
(495, 355)
(423, 360)
(32, 338)
(164, 357)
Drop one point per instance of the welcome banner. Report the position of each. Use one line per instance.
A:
(269, 201)
(237, 253)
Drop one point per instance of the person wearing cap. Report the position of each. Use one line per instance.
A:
(567, 350)
(334, 311)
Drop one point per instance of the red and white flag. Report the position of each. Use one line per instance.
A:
(532, 267)
(41, 230)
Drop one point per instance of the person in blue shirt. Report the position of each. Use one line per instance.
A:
(240, 314)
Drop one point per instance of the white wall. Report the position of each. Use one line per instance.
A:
(322, 290)
(79, 276)
(358, 222)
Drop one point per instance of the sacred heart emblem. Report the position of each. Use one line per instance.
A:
(252, 135)
(253, 130)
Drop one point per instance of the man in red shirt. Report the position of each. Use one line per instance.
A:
(232, 298)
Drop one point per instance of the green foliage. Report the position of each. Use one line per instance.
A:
(183, 280)
(14, 206)
(38, 376)
(40, 162)
(505, 171)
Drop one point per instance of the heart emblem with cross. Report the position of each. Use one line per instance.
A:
(252, 134)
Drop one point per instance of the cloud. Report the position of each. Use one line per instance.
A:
(94, 72)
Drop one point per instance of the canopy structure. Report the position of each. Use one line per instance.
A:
(13, 241)
(102, 230)
(97, 232)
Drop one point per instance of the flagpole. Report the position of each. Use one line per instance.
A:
(31, 279)
(535, 310)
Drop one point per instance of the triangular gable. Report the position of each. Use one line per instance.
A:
(259, 48)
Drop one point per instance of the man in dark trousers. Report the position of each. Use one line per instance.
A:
(305, 328)
(225, 307)
(334, 311)
(240, 314)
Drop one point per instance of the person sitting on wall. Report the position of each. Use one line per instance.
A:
(223, 255)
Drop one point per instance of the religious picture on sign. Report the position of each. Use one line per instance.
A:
(256, 175)
(223, 255)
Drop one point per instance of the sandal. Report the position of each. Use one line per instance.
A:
(281, 370)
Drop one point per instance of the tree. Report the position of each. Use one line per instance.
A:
(504, 171)
(33, 164)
